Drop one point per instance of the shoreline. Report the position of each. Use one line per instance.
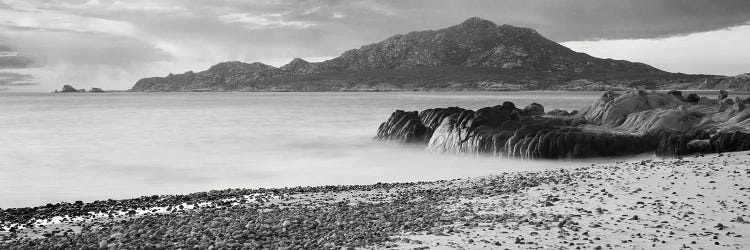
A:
(736, 92)
(697, 201)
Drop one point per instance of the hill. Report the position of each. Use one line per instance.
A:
(474, 55)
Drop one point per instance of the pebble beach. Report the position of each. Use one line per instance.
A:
(695, 202)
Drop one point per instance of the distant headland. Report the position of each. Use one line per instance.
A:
(476, 54)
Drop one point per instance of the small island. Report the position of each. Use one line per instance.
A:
(70, 89)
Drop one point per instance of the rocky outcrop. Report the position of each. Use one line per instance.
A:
(531, 137)
(70, 89)
(96, 90)
(616, 124)
(412, 126)
(612, 108)
(533, 109)
(560, 112)
(403, 126)
(472, 131)
(702, 141)
(433, 117)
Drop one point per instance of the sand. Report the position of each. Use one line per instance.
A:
(693, 202)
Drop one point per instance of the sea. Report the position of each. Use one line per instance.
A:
(98, 146)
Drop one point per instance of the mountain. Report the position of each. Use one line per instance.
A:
(475, 55)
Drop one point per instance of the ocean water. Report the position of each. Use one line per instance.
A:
(68, 147)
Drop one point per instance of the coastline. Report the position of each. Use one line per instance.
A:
(697, 201)
(702, 91)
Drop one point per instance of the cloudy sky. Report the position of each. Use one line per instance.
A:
(111, 44)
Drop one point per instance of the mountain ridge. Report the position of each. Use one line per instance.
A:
(476, 52)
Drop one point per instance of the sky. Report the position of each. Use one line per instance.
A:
(111, 44)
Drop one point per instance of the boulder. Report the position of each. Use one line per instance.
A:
(612, 108)
(723, 94)
(432, 118)
(676, 93)
(403, 126)
(558, 112)
(660, 119)
(692, 97)
(533, 109)
(728, 101)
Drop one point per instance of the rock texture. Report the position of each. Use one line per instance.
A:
(476, 54)
(615, 124)
(403, 126)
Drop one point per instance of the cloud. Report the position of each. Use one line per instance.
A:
(58, 21)
(12, 59)
(266, 21)
(16, 79)
(567, 20)
(687, 54)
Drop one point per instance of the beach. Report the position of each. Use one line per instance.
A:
(374, 124)
(693, 202)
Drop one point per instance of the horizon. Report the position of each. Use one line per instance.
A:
(111, 44)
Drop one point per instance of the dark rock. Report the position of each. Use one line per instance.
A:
(692, 97)
(67, 89)
(728, 101)
(405, 127)
(558, 112)
(676, 93)
(653, 122)
(96, 90)
(701, 141)
(432, 118)
(533, 109)
(723, 94)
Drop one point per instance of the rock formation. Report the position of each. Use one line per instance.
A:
(615, 124)
(475, 54)
(69, 89)
(403, 126)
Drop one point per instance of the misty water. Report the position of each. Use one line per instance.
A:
(68, 147)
